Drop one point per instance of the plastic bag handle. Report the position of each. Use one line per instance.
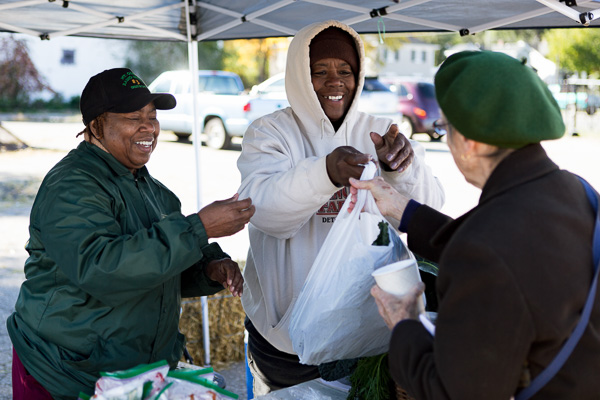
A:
(364, 198)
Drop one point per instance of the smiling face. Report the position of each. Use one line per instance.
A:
(131, 137)
(335, 85)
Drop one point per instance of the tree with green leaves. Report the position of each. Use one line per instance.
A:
(249, 58)
(575, 50)
(19, 79)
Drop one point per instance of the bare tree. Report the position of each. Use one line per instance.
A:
(19, 78)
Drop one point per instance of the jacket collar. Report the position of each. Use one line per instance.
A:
(521, 166)
(113, 164)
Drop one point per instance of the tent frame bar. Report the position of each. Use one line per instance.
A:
(110, 19)
(190, 15)
(583, 18)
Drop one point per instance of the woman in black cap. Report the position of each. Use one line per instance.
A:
(110, 254)
(515, 271)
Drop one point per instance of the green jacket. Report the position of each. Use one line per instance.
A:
(107, 251)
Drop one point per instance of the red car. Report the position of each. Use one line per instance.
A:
(418, 105)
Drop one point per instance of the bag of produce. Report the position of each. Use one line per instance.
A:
(335, 317)
(141, 382)
(192, 385)
(156, 382)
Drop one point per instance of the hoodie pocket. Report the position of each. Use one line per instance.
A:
(279, 335)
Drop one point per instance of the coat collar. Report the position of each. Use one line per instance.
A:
(113, 164)
(521, 166)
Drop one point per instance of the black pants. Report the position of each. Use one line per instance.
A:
(271, 368)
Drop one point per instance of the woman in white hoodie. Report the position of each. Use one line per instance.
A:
(295, 165)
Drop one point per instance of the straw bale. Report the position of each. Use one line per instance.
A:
(226, 329)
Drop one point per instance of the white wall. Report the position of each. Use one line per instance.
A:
(90, 56)
(412, 59)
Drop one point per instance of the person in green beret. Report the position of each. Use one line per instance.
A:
(515, 271)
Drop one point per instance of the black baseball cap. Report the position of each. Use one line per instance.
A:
(119, 90)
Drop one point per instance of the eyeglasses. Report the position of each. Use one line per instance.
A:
(440, 127)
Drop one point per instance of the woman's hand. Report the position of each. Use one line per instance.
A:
(345, 162)
(394, 309)
(388, 200)
(393, 149)
(226, 217)
(226, 272)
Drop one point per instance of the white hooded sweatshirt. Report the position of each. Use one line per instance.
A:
(283, 170)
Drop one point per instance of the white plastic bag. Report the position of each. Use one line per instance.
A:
(335, 317)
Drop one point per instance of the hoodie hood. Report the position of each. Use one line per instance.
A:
(298, 85)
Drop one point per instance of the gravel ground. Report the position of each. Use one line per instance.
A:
(17, 190)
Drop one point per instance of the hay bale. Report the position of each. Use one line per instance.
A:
(226, 328)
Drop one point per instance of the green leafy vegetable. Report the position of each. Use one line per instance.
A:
(371, 379)
(383, 239)
(429, 267)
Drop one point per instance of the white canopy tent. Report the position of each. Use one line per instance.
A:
(194, 20)
(221, 20)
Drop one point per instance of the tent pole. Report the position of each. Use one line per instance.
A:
(197, 142)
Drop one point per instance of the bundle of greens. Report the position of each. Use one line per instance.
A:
(371, 379)
(383, 239)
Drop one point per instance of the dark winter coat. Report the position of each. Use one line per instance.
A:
(514, 275)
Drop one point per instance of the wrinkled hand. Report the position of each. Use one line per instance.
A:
(345, 162)
(388, 200)
(226, 272)
(393, 149)
(394, 309)
(226, 217)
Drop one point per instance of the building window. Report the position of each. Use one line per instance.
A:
(424, 56)
(68, 57)
(397, 55)
(413, 56)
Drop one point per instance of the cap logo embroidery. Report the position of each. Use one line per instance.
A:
(131, 79)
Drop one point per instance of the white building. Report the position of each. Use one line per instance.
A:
(67, 63)
(414, 59)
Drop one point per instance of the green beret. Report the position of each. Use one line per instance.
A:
(495, 99)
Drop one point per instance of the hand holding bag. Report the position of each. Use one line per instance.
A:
(335, 317)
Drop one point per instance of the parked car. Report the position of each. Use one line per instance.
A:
(220, 105)
(583, 99)
(418, 105)
(268, 96)
(593, 104)
(377, 99)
